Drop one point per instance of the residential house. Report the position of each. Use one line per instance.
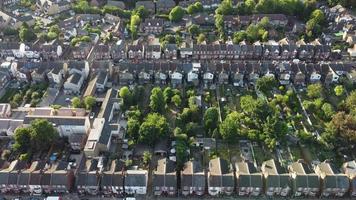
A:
(349, 168)
(57, 74)
(9, 176)
(284, 71)
(238, 70)
(170, 51)
(321, 51)
(313, 72)
(277, 180)
(136, 52)
(298, 74)
(164, 6)
(249, 180)
(224, 73)
(305, 182)
(192, 70)
(39, 74)
(164, 178)
(305, 51)
(333, 182)
(73, 84)
(49, 50)
(149, 5)
(117, 51)
(145, 74)
(36, 176)
(221, 179)
(62, 177)
(153, 51)
(328, 74)
(112, 179)
(271, 50)
(161, 72)
(101, 81)
(153, 26)
(126, 74)
(208, 73)
(28, 179)
(253, 71)
(101, 52)
(81, 51)
(288, 50)
(88, 178)
(193, 179)
(176, 74)
(135, 181)
(51, 7)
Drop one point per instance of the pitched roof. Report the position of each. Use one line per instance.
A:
(247, 175)
(193, 174)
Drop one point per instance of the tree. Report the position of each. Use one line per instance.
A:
(176, 14)
(135, 20)
(219, 24)
(42, 132)
(239, 37)
(126, 96)
(168, 94)
(22, 139)
(157, 103)
(201, 38)
(194, 30)
(195, 8)
(89, 102)
(211, 119)
(315, 90)
(147, 156)
(176, 100)
(341, 129)
(225, 8)
(26, 34)
(265, 84)
(133, 128)
(328, 110)
(76, 102)
(141, 11)
(249, 6)
(230, 127)
(154, 128)
(351, 102)
(339, 90)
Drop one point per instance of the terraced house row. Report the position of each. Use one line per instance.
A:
(92, 177)
(270, 50)
(236, 73)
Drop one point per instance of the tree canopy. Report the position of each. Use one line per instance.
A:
(154, 128)
(157, 103)
(176, 14)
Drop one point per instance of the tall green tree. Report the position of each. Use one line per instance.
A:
(157, 103)
(154, 128)
(176, 14)
(211, 119)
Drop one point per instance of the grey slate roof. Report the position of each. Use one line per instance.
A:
(136, 178)
(193, 175)
(247, 175)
